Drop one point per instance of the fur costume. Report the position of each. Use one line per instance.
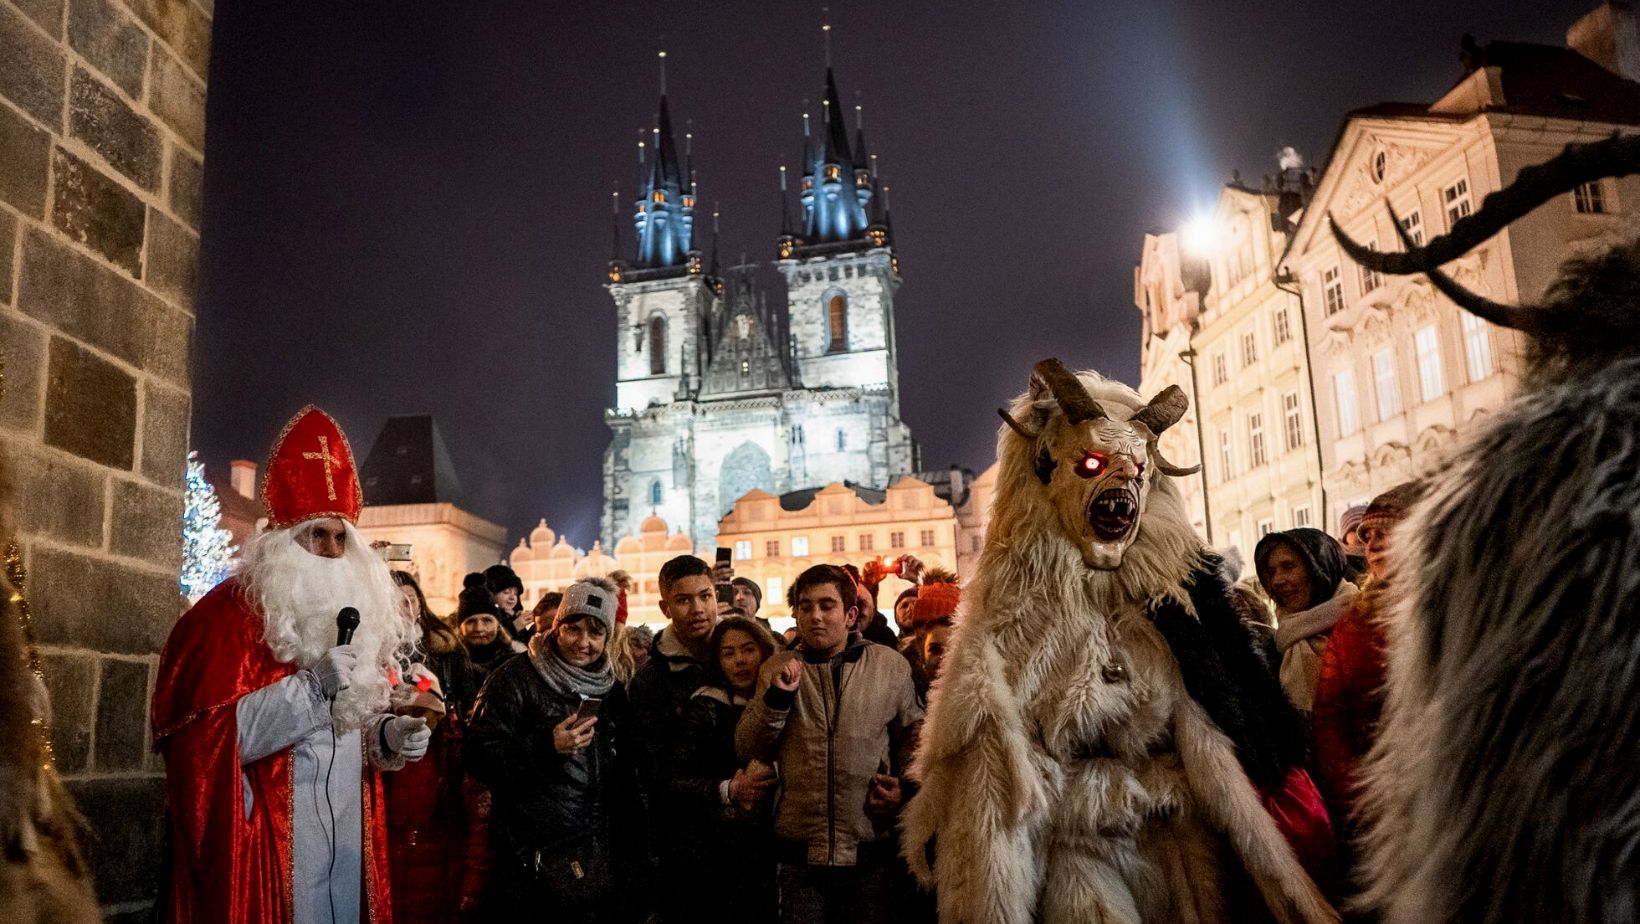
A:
(1079, 761)
(1503, 785)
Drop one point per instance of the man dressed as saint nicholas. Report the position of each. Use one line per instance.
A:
(273, 733)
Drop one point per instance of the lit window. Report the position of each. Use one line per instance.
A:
(800, 546)
(776, 589)
(1227, 461)
(1249, 349)
(837, 543)
(1456, 200)
(1349, 420)
(771, 548)
(1292, 420)
(837, 324)
(1255, 441)
(1283, 327)
(927, 538)
(1590, 198)
(1301, 516)
(743, 549)
(1428, 345)
(1332, 291)
(896, 539)
(866, 543)
(1383, 380)
(1477, 347)
(1221, 369)
(1413, 224)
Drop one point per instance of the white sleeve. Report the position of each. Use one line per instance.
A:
(279, 715)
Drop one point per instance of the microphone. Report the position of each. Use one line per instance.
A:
(346, 621)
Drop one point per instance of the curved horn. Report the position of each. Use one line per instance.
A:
(1163, 411)
(1575, 165)
(1530, 320)
(1168, 468)
(1068, 390)
(1015, 425)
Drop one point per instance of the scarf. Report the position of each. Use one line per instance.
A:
(566, 679)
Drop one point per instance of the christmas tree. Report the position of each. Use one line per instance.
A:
(207, 548)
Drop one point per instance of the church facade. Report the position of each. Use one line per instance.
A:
(718, 393)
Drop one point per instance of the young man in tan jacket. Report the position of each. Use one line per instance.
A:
(839, 717)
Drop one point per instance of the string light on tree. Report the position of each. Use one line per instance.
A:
(207, 549)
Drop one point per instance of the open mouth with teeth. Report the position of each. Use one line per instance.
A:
(1113, 514)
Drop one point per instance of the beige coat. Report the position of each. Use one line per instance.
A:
(828, 740)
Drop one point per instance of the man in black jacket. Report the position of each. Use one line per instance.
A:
(662, 688)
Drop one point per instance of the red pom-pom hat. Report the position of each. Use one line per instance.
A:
(311, 473)
(935, 601)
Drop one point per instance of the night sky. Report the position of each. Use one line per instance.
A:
(408, 203)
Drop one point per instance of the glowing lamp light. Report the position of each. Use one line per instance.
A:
(1201, 236)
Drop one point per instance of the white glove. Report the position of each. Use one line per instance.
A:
(335, 669)
(407, 736)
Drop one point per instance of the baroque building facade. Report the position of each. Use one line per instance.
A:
(717, 393)
(1402, 372)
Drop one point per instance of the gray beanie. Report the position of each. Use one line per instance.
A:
(595, 597)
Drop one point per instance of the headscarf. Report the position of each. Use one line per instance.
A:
(1321, 555)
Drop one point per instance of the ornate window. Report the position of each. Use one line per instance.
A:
(1383, 378)
(1221, 370)
(657, 345)
(1349, 419)
(837, 543)
(1293, 420)
(927, 537)
(836, 322)
(1428, 344)
(1332, 291)
(1249, 348)
(1301, 516)
(896, 539)
(1477, 347)
(1256, 455)
(771, 548)
(1413, 224)
(1283, 327)
(866, 542)
(1456, 200)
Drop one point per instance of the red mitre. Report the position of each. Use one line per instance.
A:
(311, 473)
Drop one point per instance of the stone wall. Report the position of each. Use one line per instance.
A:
(102, 137)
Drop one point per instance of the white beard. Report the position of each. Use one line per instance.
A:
(299, 594)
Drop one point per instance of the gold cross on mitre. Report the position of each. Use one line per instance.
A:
(323, 455)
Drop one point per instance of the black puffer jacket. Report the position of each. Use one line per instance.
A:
(567, 828)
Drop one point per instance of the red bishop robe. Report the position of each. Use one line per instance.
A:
(226, 867)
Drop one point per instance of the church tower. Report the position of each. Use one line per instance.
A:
(663, 305)
(841, 275)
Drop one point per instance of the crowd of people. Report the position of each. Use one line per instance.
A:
(716, 771)
(561, 759)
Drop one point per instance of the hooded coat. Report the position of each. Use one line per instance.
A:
(1301, 636)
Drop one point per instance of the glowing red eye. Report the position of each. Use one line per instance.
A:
(1092, 464)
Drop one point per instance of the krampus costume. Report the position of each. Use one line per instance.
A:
(1505, 784)
(1079, 762)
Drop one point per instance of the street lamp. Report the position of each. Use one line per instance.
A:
(1202, 236)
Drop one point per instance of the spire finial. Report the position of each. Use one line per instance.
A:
(662, 56)
(859, 117)
(874, 166)
(825, 28)
(782, 177)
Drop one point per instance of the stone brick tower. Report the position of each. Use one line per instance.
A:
(717, 394)
(102, 140)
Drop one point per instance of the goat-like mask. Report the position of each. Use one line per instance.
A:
(1097, 470)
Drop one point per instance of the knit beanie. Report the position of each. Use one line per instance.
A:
(595, 597)
(1392, 506)
(500, 577)
(475, 599)
(935, 602)
(1351, 520)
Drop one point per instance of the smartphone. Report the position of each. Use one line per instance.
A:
(394, 551)
(723, 555)
(588, 709)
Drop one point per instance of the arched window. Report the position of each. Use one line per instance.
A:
(836, 323)
(657, 345)
(655, 493)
